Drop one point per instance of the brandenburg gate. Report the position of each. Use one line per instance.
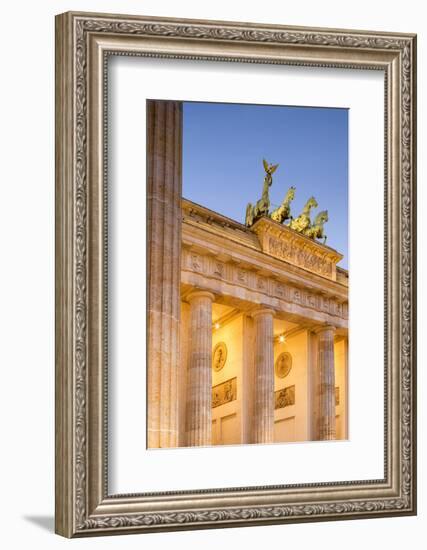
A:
(247, 324)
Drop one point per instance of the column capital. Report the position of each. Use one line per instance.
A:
(200, 294)
(325, 328)
(263, 311)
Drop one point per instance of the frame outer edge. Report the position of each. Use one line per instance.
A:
(72, 472)
(413, 253)
(64, 237)
(155, 19)
(414, 259)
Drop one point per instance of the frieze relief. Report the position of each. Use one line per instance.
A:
(312, 301)
(196, 262)
(303, 258)
(219, 269)
(241, 275)
(284, 244)
(261, 283)
(281, 291)
(235, 274)
(297, 296)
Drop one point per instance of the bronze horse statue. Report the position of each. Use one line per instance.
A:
(303, 222)
(316, 230)
(283, 213)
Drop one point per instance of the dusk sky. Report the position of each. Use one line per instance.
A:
(224, 145)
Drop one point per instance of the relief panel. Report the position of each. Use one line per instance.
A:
(284, 397)
(224, 393)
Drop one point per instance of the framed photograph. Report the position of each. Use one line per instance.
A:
(235, 274)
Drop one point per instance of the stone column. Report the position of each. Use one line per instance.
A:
(326, 366)
(345, 396)
(263, 424)
(164, 151)
(199, 376)
(247, 395)
(183, 359)
(313, 406)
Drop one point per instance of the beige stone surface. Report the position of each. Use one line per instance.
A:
(227, 418)
(288, 245)
(297, 346)
(199, 378)
(183, 370)
(313, 380)
(248, 378)
(164, 147)
(263, 418)
(326, 366)
(341, 381)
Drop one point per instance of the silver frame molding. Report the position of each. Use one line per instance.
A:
(83, 43)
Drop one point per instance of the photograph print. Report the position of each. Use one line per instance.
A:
(248, 332)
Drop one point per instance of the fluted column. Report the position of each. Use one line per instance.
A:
(164, 152)
(326, 366)
(263, 424)
(199, 378)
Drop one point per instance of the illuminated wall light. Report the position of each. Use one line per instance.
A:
(281, 338)
(217, 325)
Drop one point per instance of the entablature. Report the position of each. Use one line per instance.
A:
(230, 260)
(230, 253)
(241, 281)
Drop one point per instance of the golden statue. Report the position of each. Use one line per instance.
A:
(283, 213)
(303, 222)
(261, 208)
(316, 230)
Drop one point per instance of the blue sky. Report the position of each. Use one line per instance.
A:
(223, 148)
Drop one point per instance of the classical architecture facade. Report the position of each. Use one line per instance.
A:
(263, 334)
(247, 326)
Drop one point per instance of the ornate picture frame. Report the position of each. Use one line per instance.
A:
(84, 506)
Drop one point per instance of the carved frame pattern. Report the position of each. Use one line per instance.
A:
(83, 506)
